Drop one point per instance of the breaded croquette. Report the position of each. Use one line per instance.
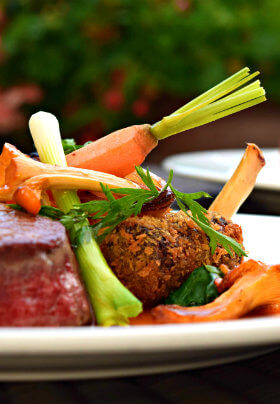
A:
(153, 256)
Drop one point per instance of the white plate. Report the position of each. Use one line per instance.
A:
(218, 166)
(63, 353)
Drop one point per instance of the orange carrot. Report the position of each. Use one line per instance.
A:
(117, 153)
(28, 199)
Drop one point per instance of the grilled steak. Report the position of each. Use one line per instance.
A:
(39, 281)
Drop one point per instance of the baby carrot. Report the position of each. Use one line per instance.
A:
(119, 152)
(28, 199)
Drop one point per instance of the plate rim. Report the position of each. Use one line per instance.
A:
(177, 337)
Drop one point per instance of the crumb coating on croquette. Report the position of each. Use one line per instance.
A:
(153, 256)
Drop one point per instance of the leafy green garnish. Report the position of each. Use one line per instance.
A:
(69, 145)
(51, 212)
(15, 206)
(189, 200)
(108, 213)
(198, 289)
(218, 238)
(185, 202)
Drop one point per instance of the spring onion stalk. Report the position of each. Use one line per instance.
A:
(113, 304)
(224, 99)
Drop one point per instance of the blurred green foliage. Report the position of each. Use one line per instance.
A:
(103, 64)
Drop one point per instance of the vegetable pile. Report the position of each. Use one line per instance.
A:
(101, 167)
(113, 304)
(108, 213)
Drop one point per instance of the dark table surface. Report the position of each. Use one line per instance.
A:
(253, 381)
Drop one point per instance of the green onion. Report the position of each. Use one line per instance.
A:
(113, 304)
(218, 102)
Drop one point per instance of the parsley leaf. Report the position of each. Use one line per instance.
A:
(216, 238)
(69, 145)
(189, 200)
(51, 212)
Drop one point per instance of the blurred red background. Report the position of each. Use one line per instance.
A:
(103, 65)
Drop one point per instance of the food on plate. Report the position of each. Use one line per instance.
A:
(132, 250)
(159, 205)
(118, 152)
(39, 279)
(153, 256)
(250, 285)
(26, 179)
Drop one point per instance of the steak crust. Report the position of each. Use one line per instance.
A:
(39, 280)
(153, 256)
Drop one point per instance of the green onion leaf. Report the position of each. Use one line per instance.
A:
(220, 101)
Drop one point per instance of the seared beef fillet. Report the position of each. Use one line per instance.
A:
(153, 256)
(39, 281)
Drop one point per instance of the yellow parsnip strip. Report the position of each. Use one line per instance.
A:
(29, 193)
(67, 181)
(21, 169)
(241, 183)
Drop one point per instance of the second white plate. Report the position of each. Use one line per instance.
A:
(218, 166)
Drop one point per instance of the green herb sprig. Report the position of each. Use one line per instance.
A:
(108, 213)
(69, 145)
(198, 289)
(198, 216)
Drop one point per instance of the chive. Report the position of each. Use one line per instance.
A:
(113, 304)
